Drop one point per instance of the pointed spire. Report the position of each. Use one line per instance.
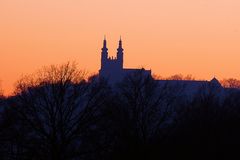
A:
(120, 43)
(120, 48)
(105, 49)
(120, 53)
(104, 42)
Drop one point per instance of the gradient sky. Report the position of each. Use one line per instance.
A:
(198, 37)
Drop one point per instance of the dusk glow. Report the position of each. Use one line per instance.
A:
(201, 37)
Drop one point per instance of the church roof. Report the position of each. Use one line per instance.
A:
(186, 88)
(134, 69)
(215, 82)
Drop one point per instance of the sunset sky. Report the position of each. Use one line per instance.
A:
(198, 37)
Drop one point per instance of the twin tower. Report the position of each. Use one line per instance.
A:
(115, 63)
(111, 67)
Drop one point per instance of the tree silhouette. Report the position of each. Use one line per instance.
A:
(140, 115)
(231, 83)
(59, 113)
(58, 107)
(181, 77)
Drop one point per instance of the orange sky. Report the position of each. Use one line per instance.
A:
(198, 37)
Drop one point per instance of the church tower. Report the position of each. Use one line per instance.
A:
(120, 54)
(104, 55)
(112, 67)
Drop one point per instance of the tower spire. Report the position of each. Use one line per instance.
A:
(104, 54)
(104, 42)
(120, 49)
(120, 53)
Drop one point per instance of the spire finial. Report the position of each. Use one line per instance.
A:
(120, 42)
(104, 42)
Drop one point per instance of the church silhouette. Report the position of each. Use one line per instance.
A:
(112, 67)
(112, 70)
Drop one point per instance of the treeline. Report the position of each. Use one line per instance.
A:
(58, 114)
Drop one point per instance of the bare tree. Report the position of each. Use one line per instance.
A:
(176, 77)
(148, 105)
(231, 83)
(57, 107)
(189, 77)
(181, 77)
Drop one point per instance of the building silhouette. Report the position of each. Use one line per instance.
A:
(112, 67)
(112, 70)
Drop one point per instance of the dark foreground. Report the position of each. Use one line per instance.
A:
(61, 116)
